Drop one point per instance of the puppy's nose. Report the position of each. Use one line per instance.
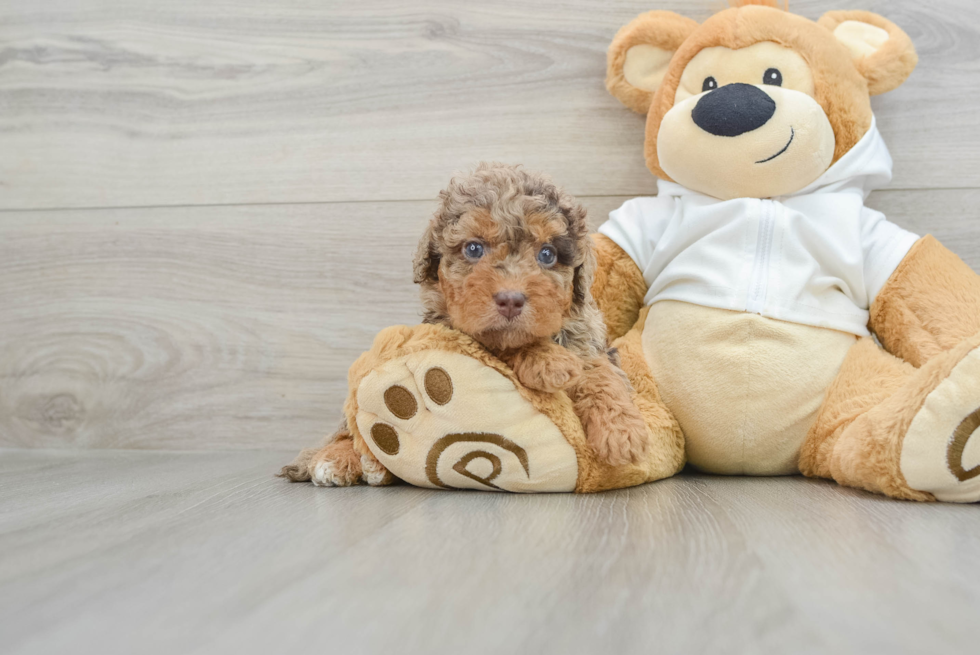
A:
(733, 109)
(509, 303)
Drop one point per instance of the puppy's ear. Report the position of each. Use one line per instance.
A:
(427, 258)
(584, 275)
(640, 54)
(578, 229)
(881, 51)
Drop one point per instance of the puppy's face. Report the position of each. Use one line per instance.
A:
(507, 283)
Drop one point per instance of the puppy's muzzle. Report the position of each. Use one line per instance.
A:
(509, 303)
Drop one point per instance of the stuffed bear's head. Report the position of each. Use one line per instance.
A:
(754, 102)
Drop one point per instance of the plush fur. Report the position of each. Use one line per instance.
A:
(889, 66)
(868, 378)
(618, 288)
(929, 305)
(858, 438)
(661, 29)
(745, 388)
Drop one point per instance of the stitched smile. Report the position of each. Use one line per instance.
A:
(792, 133)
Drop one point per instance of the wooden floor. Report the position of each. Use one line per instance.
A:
(208, 209)
(142, 552)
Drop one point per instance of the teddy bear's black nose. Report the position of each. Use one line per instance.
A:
(733, 109)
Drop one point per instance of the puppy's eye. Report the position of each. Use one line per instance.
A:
(547, 256)
(772, 76)
(473, 250)
(710, 84)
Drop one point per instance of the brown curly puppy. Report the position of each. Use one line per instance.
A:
(507, 259)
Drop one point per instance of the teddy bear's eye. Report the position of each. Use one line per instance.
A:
(772, 76)
(710, 84)
(547, 256)
(473, 250)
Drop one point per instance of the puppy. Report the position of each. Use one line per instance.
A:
(508, 260)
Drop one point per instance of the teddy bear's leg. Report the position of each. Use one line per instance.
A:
(438, 411)
(929, 305)
(891, 428)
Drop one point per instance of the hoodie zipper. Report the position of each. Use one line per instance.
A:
(759, 281)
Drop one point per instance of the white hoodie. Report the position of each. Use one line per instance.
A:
(816, 257)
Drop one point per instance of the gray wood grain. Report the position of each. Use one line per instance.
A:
(119, 103)
(122, 552)
(122, 326)
(233, 327)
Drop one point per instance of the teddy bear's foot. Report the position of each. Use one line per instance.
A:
(435, 409)
(444, 420)
(941, 450)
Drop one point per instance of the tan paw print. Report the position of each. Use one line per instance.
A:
(443, 420)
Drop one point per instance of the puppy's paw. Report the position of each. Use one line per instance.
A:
(299, 469)
(336, 465)
(620, 440)
(550, 370)
(614, 429)
(374, 473)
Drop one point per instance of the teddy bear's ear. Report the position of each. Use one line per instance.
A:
(640, 54)
(881, 51)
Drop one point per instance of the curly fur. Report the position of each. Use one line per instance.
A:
(562, 342)
(506, 196)
(337, 448)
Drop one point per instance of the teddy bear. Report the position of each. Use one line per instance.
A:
(769, 322)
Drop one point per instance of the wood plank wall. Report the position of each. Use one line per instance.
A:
(208, 208)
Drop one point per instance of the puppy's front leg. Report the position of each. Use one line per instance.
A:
(337, 464)
(613, 425)
(544, 367)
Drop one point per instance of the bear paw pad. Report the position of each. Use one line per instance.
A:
(444, 420)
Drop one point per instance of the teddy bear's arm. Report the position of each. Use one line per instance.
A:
(930, 304)
(618, 287)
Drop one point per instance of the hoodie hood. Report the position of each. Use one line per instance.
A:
(865, 167)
